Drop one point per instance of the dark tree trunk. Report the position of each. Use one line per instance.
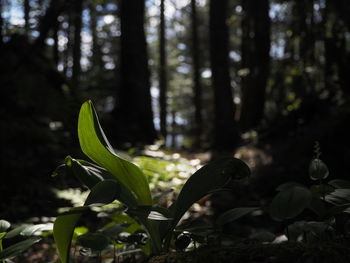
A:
(26, 4)
(134, 116)
(77, 21)
(162, 74)
(197, 88)
(55, 51)
(226, 135)
(48, 21)
(1, 22)
(96, 48)
(255, 61)
(337, 58)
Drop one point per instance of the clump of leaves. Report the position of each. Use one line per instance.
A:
(24, 232)
(110, 177)
(325, 199)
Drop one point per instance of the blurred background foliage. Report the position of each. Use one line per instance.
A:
(259, 79)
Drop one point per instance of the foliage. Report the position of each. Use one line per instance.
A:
(117, 179)
(326, 200)
(27, 234)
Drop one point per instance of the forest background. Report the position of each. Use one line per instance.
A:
(262, 79)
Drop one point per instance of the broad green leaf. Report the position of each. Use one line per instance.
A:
(210, 177)
(94, 241)
(339, 183)
(95, 145)
(114, 230)
(290, 203)
(234, 214)
(18, 248)
(87, 175)
(63, 231)
(91, 174)
(16, 231)
(102, 193)
(30, 230)
(2, 234)
(339, 197)
(4, 225)
(78, 231)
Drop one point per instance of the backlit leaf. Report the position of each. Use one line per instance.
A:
(18, 248)
(210, 177)
(63, 231)
(95, 145)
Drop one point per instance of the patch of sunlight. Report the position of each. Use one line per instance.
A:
(76, 196)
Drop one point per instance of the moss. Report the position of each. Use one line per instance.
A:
(288, 252)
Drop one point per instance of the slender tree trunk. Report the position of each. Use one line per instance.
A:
(48, 21)
(55, 51)
(134, 116)
(96, 48)
(1, 22)
(197, 88)
(336, 56)
(77, 20)
(162, 74)
(226, 135)
(26, 4)
(255, 61)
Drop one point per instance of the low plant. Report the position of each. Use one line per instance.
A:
(26, 235)
(111, 178)
(326, 199)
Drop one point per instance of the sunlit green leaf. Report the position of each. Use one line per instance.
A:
(30, 230)
(95, 145)
(290, 203)
(18, 248)
(63, 231)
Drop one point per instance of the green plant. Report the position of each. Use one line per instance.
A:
(112, 178)
(325, 199)
(25, 232)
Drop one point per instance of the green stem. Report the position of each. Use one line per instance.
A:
(155, 236)
(1, 261)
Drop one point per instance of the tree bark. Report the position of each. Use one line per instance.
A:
(255, 61)
(197, 88)
(162, 74)
(26, 8)
(77, 21)
(133, 110)
(1, 22)
(48, 21)
(337, 58)
(226, 134)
